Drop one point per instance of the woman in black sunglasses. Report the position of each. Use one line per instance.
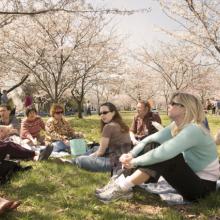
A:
(114, 142)
(59, 130)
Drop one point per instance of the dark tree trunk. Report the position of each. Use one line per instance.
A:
(18, 84)
(79, 107)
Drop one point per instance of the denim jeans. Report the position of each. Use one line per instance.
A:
(92, 163)
(95, 164)
(60, 146)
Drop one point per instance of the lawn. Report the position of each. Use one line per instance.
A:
(60, 192)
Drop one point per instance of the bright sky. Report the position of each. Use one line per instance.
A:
(142, 28)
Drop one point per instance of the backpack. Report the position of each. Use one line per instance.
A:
(8, 168)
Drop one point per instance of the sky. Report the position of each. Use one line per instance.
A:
(142, 28)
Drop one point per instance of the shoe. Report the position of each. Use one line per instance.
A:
(45, 153)
(110, 184)
(114, 193)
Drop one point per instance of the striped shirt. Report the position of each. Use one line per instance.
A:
(31, 128)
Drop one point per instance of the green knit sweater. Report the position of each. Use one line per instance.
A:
(198, 147)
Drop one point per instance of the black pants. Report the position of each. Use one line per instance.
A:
(181, 177)
(154, 176)
(15, 151)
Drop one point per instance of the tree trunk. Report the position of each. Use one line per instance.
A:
(79, 107)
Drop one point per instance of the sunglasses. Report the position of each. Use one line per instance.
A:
(172, 103)
(104, 112)
(61, 112)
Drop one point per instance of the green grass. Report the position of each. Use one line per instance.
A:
(53, 191)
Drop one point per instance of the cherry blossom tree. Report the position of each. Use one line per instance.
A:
(99, 59)
(199, 24)
(140, 83)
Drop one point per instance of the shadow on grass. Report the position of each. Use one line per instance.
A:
(29, 215)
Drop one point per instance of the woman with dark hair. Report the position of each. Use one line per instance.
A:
(31, 127)
(114, 142)
(7, 118)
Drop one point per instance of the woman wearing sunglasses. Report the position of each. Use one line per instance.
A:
(115, 141)
(186, 156)
(58, 130)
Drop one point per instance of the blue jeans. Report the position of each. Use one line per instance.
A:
(60, 146)
(91, 163)
(95, 164)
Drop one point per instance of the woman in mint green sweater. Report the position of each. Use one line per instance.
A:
(186, 156)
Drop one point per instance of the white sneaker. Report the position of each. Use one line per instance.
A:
(114, 193)
(110, 184)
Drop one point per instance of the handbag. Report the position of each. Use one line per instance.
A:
(8, 168)
(78, 147)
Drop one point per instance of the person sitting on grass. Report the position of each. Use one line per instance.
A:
(31, 126)
(16, 151)
(6, 118)
(186, 156)
(59, 130)
(142, 122)
(114, 142)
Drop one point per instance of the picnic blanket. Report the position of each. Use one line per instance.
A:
(166, 192)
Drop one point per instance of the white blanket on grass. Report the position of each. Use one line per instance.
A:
(166, 192)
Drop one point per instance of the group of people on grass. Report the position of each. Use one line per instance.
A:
(184, 152)
(25, 140)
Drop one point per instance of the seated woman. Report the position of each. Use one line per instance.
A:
(114, 142)
(58, 130)
(15, 150)
(31, 126)
(186, 157)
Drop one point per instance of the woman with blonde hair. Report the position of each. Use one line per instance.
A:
(186, 156)
(59, 130)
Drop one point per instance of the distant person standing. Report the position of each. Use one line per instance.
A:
(28, 101)
(12, 106)
(88, 108)
(217, 109)
(4, 97)
(0, 96)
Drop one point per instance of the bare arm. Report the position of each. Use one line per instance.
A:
(102, 148)
(133, 139)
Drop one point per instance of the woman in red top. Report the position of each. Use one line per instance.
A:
(31, 127)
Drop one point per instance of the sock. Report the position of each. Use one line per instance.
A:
(120, 178)
(126, 184)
